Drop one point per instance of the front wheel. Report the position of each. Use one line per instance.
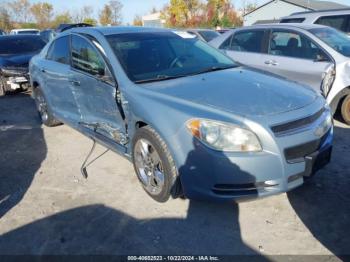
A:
(154, 165)
(345, 109)
(44, 111)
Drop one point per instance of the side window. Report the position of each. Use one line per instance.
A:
(338, 21)
(226, 44)
(247, 41)
(292, 44)
(59, 50)
(86, 58)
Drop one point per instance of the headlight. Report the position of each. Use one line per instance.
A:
(325, 125)
(224, 136)
(328, 79)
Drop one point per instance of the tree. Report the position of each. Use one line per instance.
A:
(42, 12)
(154, 10)
(5, 22)
(248, 6)
(105, 16)
(137, 21)
(83, 13)
(90, 21)
(63, 18)
(20, 10)
(179, 13)
(116, 12)
(87, 11)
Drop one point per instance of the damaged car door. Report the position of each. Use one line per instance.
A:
(55, 71)
(95, 89)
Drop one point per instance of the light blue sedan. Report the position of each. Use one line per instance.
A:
(193, 122)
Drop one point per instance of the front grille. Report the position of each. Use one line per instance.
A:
(284, 128)
(299, 152)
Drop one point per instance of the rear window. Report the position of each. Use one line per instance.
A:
(9, 46)
(292, 20)
(339, 22)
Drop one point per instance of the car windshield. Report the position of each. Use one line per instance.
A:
(148, 57)
(208, 35)
(9, 46)
(334, 38)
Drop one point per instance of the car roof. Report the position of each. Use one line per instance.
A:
(286, 25)
(328, 12)
(111, 30)
(199, 29)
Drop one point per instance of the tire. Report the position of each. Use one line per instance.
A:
(44, 110)
(145, 145)
(345, 110)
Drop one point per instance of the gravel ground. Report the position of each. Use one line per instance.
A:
(47, 207)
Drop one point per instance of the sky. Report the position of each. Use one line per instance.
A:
(133, 7)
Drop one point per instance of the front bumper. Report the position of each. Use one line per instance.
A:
(214, 175)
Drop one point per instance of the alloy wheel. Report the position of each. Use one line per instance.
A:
(42, 107)
(149, 167)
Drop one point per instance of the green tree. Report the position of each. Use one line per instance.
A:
(63, 18)
(180, 13)
(90, 21)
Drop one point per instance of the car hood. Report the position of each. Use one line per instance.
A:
(16, 60)
(242, 91)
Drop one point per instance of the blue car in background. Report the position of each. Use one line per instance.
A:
(192, 121)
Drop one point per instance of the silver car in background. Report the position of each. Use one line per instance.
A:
(315, 55)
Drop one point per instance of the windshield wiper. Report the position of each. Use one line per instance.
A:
(158, 78)
(214, 68)
(167, 77)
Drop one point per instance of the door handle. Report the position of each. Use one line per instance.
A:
(43, 70)
(271, 62)
(75, 82)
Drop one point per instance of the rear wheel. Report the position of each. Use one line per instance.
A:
(154, 165)
(345, 109)
(44, 110)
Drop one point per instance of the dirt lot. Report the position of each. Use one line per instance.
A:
(46, 207)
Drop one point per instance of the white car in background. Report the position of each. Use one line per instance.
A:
(315, 55)
(338, 19)
(25, 32)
